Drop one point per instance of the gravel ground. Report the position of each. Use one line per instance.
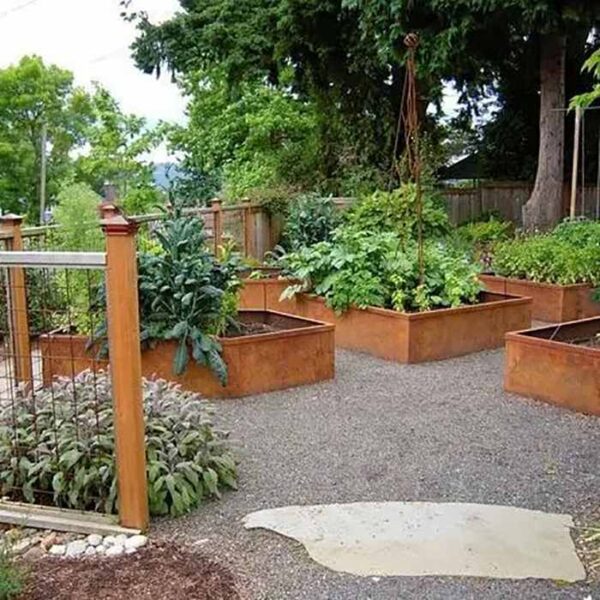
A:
(441, 431)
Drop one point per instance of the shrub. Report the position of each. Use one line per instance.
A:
(66, 448)
(578, 232)
(310, 219)
(483, 234)
(364, 268)
(396, 211)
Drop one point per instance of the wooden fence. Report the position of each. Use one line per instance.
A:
(507, 200)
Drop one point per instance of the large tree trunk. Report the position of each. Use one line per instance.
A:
(544, 208)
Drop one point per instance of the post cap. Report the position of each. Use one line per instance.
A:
(118, 225)
(11, 219)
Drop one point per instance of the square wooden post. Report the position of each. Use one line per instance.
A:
(249, 220)
(217, 225)
(18, 318)
(126, 371)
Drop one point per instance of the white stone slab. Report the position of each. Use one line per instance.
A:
(423, 538)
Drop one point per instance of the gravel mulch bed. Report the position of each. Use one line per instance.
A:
(438, 432)
(159, 571)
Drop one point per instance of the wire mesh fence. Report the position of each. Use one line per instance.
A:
(55, 404)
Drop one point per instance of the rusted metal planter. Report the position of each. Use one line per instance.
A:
(300, 352)
(542, 364)
(265, 294)
(551, 302)
(421, 337)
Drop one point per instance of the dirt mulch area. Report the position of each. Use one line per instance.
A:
(158, 571)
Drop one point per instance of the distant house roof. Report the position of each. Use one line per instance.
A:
(468, 167)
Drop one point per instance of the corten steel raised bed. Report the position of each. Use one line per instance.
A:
(264, 294)
(551, 302)
(421, 337)
(543, 364)
(300, 352)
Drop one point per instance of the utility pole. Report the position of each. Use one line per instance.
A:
(43, 168)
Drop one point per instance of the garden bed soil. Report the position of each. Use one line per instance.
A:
(287, 351)
(420, 337)
(559, 364)
(153, 573)
(552, 302)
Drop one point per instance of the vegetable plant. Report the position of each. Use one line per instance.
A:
(187, 295)
(569, 254)
(364, 268)
(310, 219)
(61, 444)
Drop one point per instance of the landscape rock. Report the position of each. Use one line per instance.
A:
(90, 551)
(100, 549)
(136, 541)
(94, 539)
(23, 545)
(76, 548)
(49, 540)
(130, 550)
(58, 550)
(115, 550)
(109, 540)
(34, 553)
(121, 539)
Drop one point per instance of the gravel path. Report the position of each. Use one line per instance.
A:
(441, 431)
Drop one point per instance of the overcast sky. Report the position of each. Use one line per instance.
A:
(89, 38)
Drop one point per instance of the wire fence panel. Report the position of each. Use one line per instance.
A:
(55, 404)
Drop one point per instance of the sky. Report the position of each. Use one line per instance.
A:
(90, 38)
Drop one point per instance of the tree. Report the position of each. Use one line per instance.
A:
(118, 145)
(34, 96)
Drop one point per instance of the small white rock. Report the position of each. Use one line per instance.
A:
(76, 548)
(121, 539)
(136, 541)
(115, 550)
(94, 539)
(100, 549)
(109, 540)
(90, 551)
(58, 550)
(130, 550)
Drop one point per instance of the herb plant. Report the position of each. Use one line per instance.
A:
(65, 447)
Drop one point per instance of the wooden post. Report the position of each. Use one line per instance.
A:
(217, 225)
(126, 371)
(249, 228)
(18, 320)
(576, 138)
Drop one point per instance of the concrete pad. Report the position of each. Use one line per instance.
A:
(423, 538)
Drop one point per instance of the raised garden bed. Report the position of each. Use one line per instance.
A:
(551, 302)
(264, 294)
(278, 351)
(420, 337)
(557, 364)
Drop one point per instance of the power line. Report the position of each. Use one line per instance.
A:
(17, 8)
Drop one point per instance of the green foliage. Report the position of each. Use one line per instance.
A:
(11, 576)
(257, 139)
(34, 95)
(371, 268)
(185, 294)
(310, 219)
(78, 220)
(74, 462)
(591, 65)
(485, 233)
(570, 254)
(397, 211)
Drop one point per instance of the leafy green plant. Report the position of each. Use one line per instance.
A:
(396, 211)
(569, 254)
(310, 219)
(65, 447)
(364, 268)
(187, 295)
(483, 234)
(11, 576)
